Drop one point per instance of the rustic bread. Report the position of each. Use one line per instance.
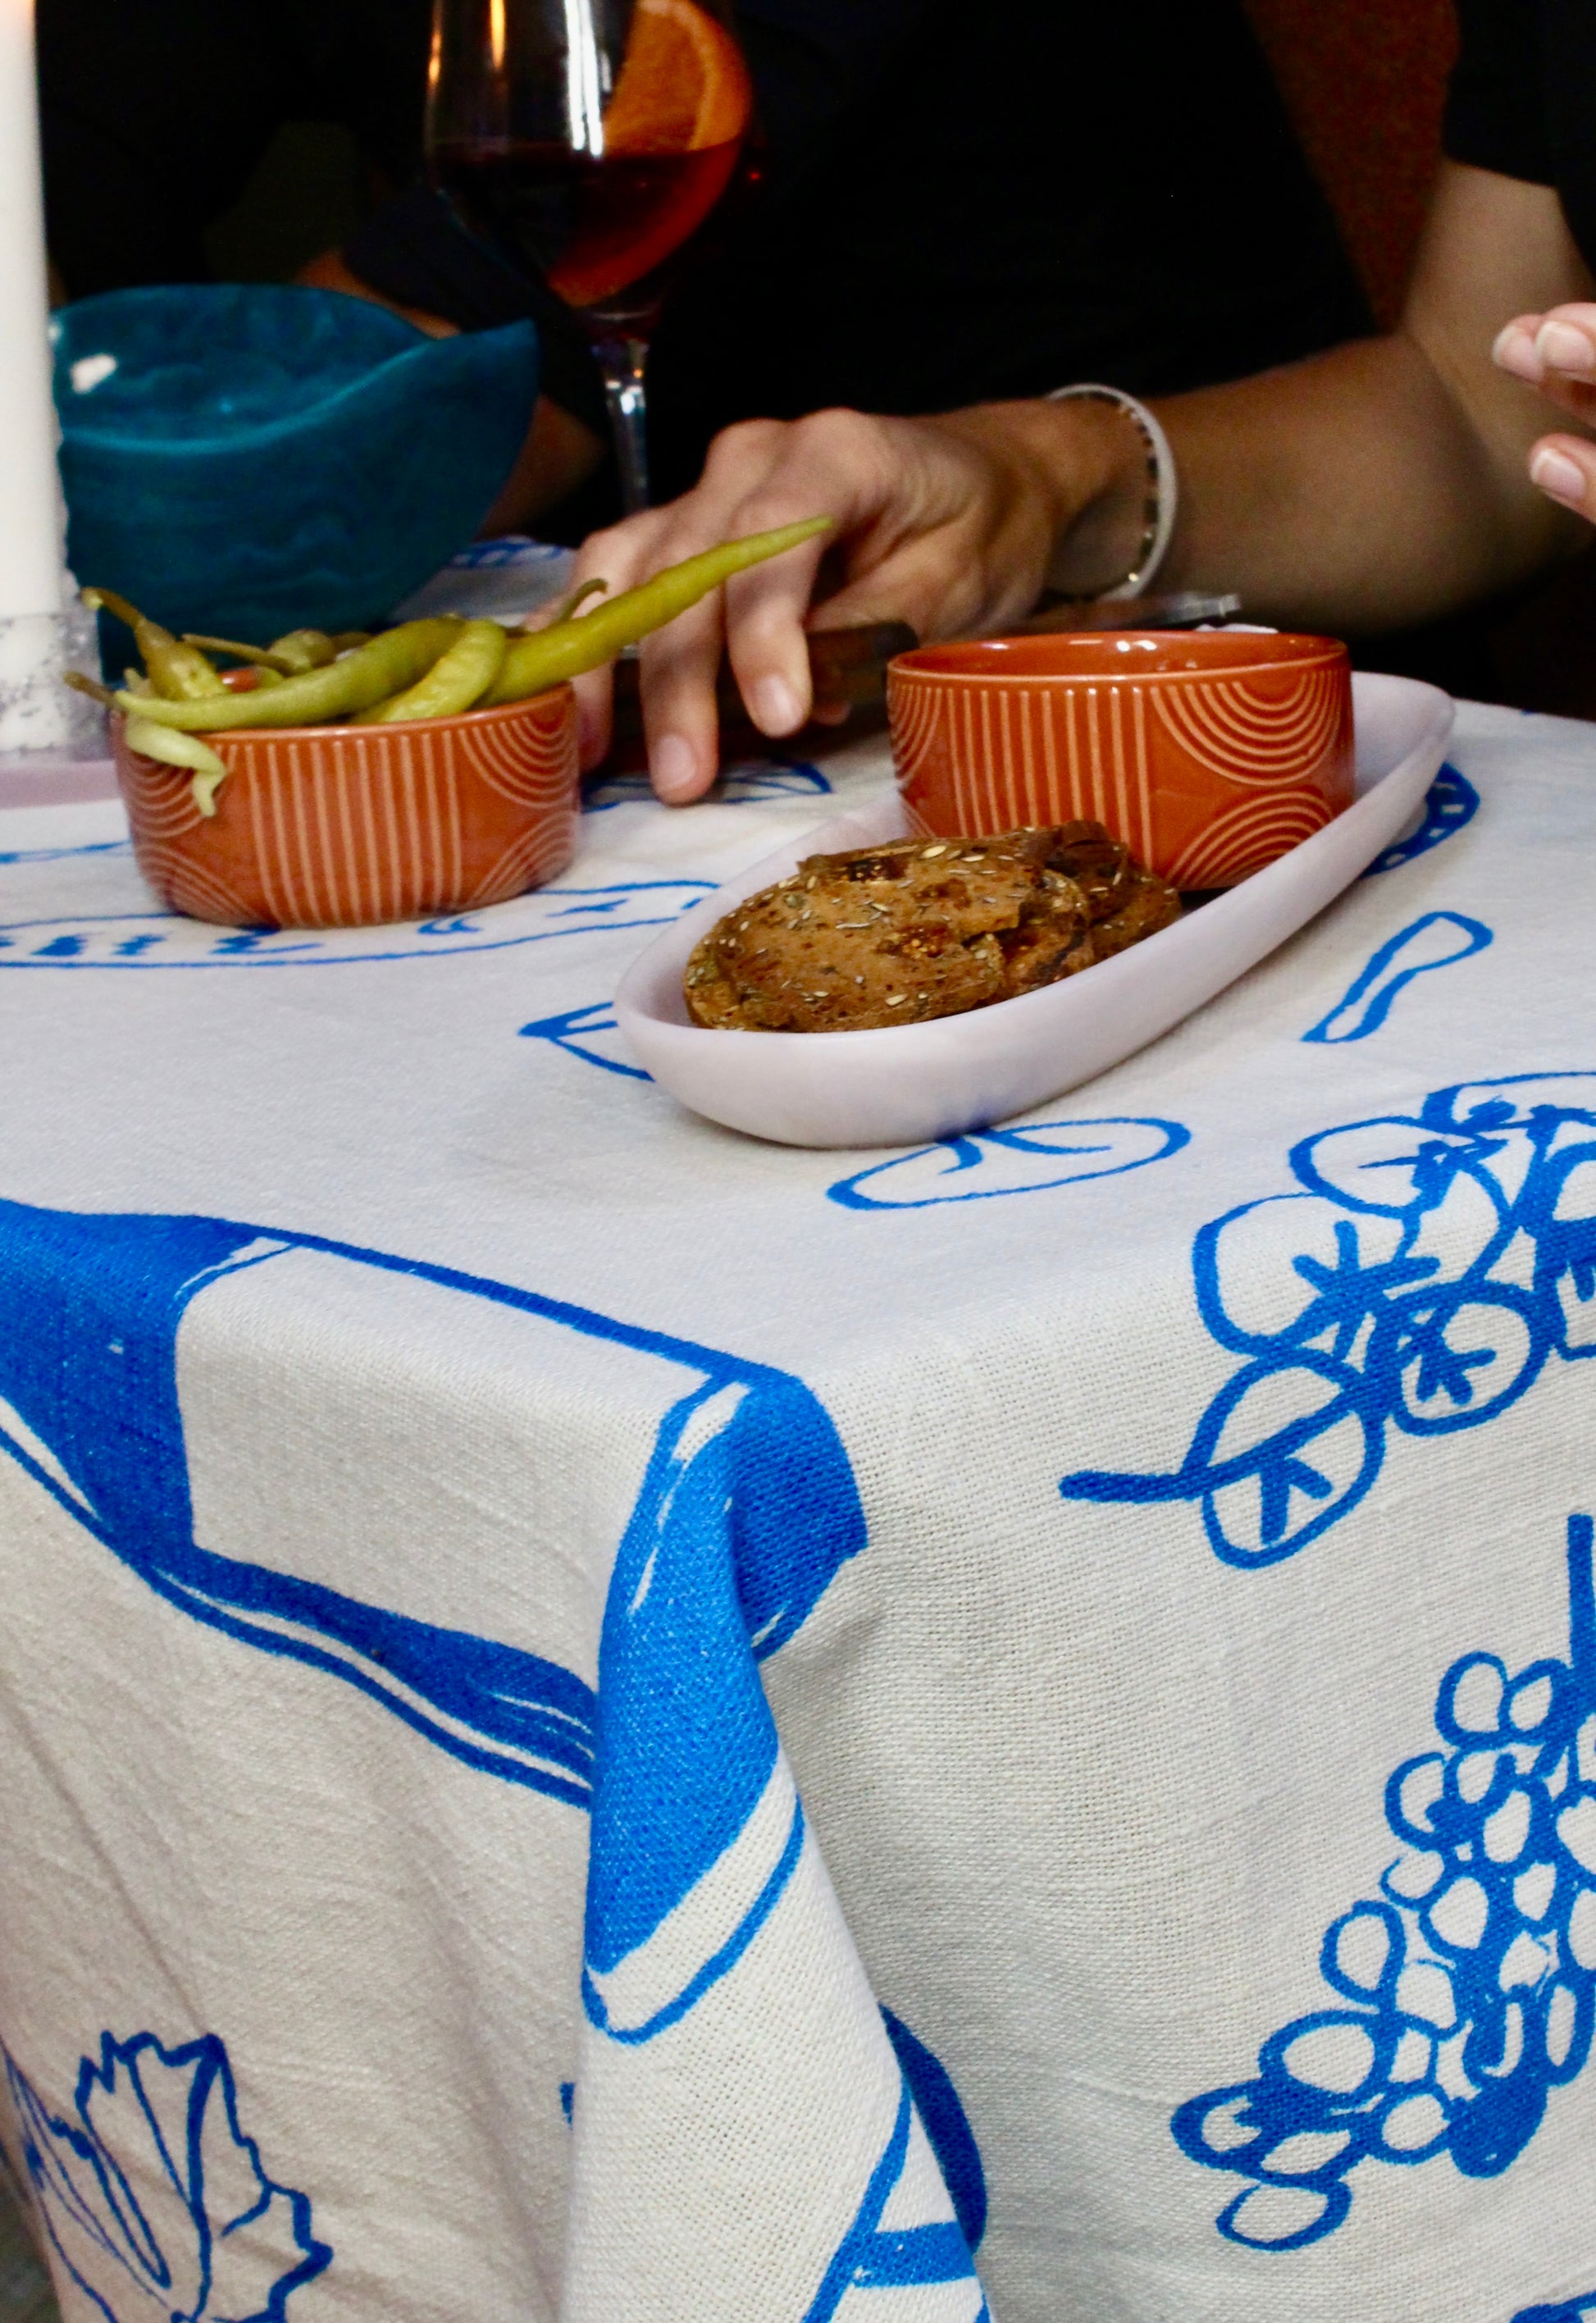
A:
(920, 928)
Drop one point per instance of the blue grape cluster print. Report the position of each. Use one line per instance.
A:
(1428, 1270)
(1466, 1994)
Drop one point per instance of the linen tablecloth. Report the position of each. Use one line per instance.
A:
(599, 1719)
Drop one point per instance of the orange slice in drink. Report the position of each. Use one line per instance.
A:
(672, 133)
(683, 86)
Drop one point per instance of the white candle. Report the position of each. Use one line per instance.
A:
(30, 554)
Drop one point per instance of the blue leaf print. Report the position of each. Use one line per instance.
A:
(151, 2191)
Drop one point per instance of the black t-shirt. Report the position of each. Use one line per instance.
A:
(1523, 100)
(154, 113)
(1004, 198)
(958, 202)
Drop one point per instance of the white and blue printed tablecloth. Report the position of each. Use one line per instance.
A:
(600, 1720)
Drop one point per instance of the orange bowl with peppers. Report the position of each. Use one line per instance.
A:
(325, 782)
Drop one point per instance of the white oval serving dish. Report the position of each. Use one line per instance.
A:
(912, 1083)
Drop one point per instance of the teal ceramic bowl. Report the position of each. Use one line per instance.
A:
(247, 458)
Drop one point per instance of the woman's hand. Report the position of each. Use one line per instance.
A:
(1556, 351)
(949, 524)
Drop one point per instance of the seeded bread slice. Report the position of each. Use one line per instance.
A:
(923, 928)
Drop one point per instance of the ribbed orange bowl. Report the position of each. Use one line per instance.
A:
(348, 826)
(1209, 753)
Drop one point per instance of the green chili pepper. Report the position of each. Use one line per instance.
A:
(257, 656)
(387, 666)
(543, 658)
(595, 588)
(180, 672)
(170, 748)
(454, 683)
(302, 649)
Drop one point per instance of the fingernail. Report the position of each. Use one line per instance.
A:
(674, 764)
(776, 706)
(1515, 351)
(1563, 348)
(1559, 477)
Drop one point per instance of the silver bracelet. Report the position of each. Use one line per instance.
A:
(1163, 488)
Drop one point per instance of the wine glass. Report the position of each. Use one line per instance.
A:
(587, 139)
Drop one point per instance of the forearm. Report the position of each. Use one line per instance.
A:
(1385, 482)
(1353, 492)
(1378, 485)
(1358, 490)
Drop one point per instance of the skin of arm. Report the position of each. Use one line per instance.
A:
(1385, 482)
(1382, 483)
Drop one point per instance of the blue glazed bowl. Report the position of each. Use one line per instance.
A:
(247, 458)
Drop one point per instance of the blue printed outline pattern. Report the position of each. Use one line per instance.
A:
(11, 855)
(115, 2217)
(974, 1153)
(571, 1026)
(1389, 1340)
(947, 2125)
(585, 907)
(1466, 1994)
(746, 1511)
(867, 2259)
(1450, 805)
(743, 785)
(497, 1708)
(718, 1964)
(1379, 982)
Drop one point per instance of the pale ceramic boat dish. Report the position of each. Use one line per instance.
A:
(916, 1082)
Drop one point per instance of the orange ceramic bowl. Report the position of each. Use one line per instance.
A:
(347, 826)
(1209, 754)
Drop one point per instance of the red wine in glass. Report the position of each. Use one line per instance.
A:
(589, 141)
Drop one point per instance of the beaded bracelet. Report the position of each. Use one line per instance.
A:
(1163, 491)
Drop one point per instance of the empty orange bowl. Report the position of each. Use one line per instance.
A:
(1209, 753)
(348, 826)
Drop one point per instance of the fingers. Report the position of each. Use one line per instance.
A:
(932, 524)
(622, 557)
(1554, 352)
(1514, 351)
(835, 463)
(681, 724)
(1563, 467)
(753, 481)
(595, 717)
(1561, 343)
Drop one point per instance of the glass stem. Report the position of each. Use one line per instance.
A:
(622, 361)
